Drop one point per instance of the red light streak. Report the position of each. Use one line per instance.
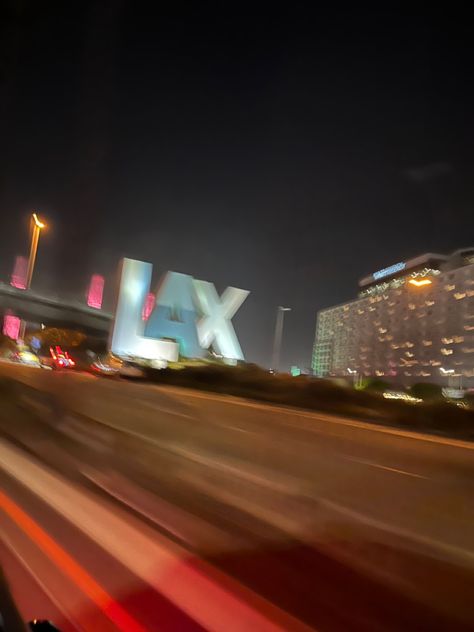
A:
(70, 567)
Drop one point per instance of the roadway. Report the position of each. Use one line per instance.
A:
(287, 517)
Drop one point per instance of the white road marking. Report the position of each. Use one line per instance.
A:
(237, 429)
(383, 467)
(168, 411)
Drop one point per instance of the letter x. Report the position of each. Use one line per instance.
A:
(215, 327)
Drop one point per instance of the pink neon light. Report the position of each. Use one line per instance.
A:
(148, 306)
(96, 291)
(18, 278)
(11, 325)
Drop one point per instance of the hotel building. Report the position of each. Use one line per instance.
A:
(412, 321)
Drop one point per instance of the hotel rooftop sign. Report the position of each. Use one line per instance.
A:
(427, 260)
(397, 267)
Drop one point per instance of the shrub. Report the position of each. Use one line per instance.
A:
(427, 391)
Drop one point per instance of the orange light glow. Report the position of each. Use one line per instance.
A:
(38, 223)
(420, 282)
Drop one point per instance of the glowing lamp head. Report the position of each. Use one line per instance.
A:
(37, 222)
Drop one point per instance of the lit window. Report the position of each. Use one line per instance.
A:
(446, 351)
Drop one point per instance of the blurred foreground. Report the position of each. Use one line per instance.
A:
(137, 507)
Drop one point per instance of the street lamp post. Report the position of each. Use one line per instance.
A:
(355, 376)
(278, 336)
(37, 225)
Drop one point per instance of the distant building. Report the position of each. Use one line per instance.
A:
(413, 321)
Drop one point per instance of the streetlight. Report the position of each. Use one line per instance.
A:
(355, 376)
(278, 335)
(37, 225)
(450, 373)
(446, 371)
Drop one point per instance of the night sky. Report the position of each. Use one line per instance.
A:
(288, 152)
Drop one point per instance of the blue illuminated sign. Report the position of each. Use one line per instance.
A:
(390, 270)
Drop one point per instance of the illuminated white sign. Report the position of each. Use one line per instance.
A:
(215, 327)
(187, 318)
(128, 333)
(390, 270)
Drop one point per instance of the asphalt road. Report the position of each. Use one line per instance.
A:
(296, 518)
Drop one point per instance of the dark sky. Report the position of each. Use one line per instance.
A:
(289, 152)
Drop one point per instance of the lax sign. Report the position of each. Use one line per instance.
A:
(188, 317)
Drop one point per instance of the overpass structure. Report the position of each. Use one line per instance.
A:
(54, 311)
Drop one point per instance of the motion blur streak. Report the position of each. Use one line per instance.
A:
(212, 599)
(70, 567)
